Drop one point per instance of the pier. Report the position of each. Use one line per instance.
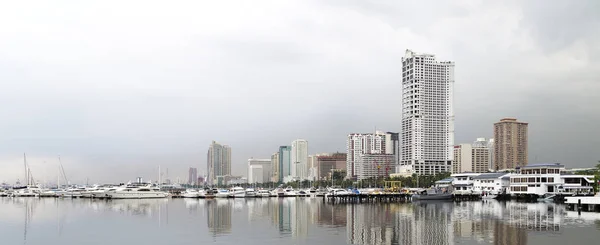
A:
(583, 203)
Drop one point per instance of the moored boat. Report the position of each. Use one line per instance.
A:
(432, 194)
(190, 193)
(237, 192)
(135, 192)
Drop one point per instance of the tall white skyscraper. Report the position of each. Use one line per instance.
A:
(299, 159)
(218, 161)
(427, 114)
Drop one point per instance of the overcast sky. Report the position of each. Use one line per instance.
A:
(118, 88)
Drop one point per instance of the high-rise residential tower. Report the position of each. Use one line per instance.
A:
(218, 163)
(193, 176)
(427, 114)
(285, 165)
(299, 159)
(275, 171)
(370, 144)
(510, 144)
(473, 158)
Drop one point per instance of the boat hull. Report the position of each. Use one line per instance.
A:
(130, 195)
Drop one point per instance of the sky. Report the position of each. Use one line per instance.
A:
(119, 88)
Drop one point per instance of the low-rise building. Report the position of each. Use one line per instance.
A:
(463, 183)
(548, 178)
(493, 183)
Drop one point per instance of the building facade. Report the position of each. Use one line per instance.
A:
(299, 159)
(275, 167)
(218, 163)
(259, 170)
(325, 164)
(285, 163)
(374, 166)
(474, 158)
(192, 176)
(427, 113)
(510, 144)
(367, 143)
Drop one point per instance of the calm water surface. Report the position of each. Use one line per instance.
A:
(288, 221)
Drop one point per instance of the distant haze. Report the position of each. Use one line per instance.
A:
(119, 88)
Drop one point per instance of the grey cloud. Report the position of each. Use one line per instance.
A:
(112, 88)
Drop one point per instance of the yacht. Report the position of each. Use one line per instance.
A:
(102, 192)
(250, 192)
(74, 192)
(279, 192)
(190, 193)
(222, 193)
(237, 192)
(29, 191)
(49, 193)
(337, 192)
(135, 192)
(208, 193)
(263, 193)
(87, 192)
(289, 192)
(302, 193)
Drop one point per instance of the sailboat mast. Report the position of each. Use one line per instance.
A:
(26, 172)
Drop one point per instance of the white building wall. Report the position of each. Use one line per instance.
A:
(259, 170)
(427, 113)
(369, 143)
(299, 159)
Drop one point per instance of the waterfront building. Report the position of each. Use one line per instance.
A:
(327, 163)
(548, 178)
(427, 113)
(495, 183)
(368, 143)
(510, 144)
(463, 182)
(192, 176)
(275, 171)
(374, 166)
(285, 163)
(218, 163)
(472, 157)
(259, 170)
(299, 159)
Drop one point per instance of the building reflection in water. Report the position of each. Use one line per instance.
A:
(421, 223)
(219, 216)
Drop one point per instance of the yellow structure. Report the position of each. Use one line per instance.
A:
(393, 186)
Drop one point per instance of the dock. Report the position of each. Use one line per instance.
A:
(386, 198)
(583, 203)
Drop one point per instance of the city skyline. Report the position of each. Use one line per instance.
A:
(153, 86)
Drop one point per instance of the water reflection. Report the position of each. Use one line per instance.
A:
(302, 219)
